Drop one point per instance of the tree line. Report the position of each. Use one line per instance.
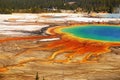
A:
(37, 6)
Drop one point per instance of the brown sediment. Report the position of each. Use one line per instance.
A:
(72, 46)
(68, 44)
(78, 46)
(25, 38)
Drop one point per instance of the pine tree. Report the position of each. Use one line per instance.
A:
(37, 76)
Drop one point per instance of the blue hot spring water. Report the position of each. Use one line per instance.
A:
(95, 32)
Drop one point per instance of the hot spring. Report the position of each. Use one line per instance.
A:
(95, 32)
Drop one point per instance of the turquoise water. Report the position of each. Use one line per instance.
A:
(100, 32)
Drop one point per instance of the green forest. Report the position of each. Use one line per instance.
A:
(38, 6)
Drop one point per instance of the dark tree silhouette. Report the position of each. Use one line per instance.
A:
(37, 6)
(37, 76)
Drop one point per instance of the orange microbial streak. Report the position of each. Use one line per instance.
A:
(3, 69)
(68, 46)
(77, 47)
